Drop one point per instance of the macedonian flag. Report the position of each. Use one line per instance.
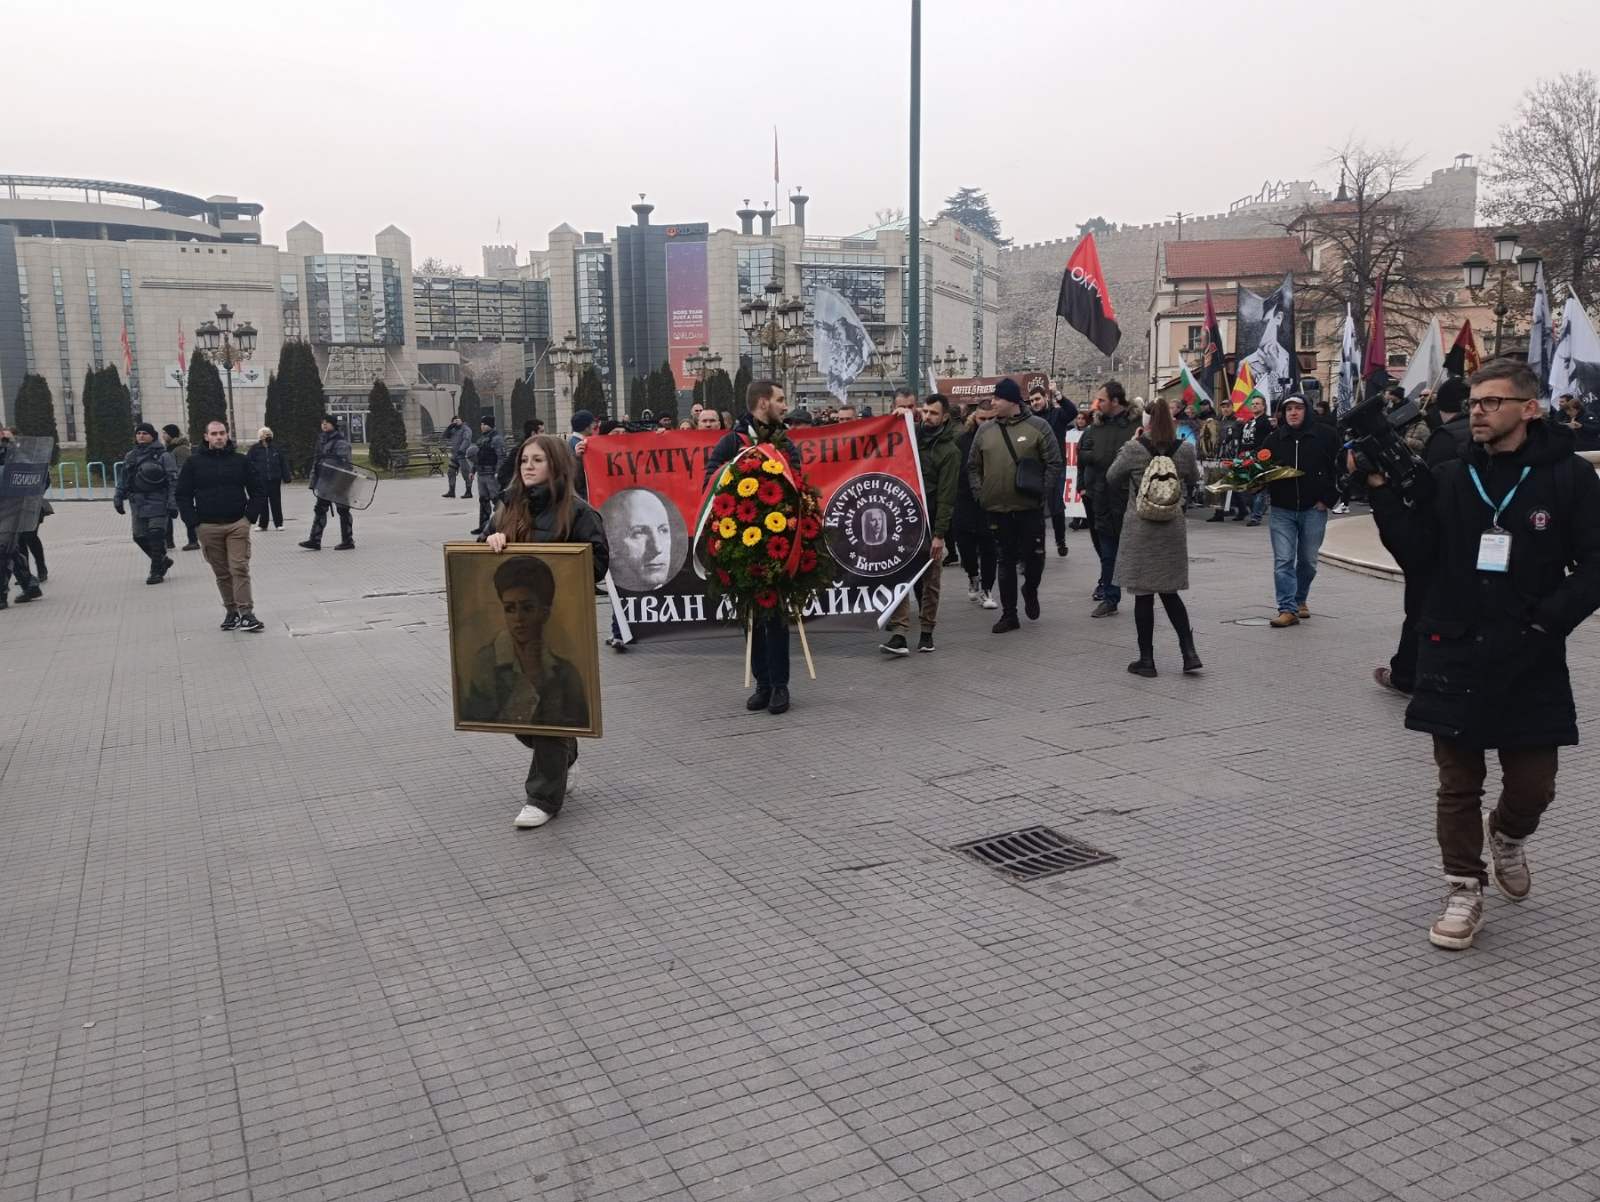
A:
(1244, 388)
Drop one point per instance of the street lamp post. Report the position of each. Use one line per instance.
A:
(702, 365)
(769, 322)
(228, 346)
(1475, 272)
(885, 365)
(571, 358)
(951, 365)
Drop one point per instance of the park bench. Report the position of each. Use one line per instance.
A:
(431, 459)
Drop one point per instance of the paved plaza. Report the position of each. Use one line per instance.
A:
(266, 930)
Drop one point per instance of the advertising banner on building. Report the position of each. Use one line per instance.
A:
(687, 326)
(1071, 493)
(648, 488)
(973, 389)
(245, 375)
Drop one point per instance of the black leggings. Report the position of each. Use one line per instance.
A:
(977, 551)
(1144, 619)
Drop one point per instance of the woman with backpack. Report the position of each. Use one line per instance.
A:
(1153, 557)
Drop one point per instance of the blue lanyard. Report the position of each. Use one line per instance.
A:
(1472, 468)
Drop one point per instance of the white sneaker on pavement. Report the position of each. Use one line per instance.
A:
(1461, 917)
(986, 599)
(1341, 507)
(529, 817)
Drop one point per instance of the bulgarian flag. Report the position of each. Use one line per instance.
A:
(1192, 390)
(1244, 388)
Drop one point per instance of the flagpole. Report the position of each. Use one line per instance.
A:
(913, 353)
(1055, 334)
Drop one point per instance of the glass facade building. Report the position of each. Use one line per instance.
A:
(593, 271)
(756, 265)
(289, 304)
(452, 309)
(355, 300)
(68, 409)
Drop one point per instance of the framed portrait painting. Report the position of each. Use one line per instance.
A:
(524, 651)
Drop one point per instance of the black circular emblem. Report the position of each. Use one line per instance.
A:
(874, 525)
(1539, 519)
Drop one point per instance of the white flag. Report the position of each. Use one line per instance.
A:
(1349, 384)
(1426, 368)
(1541, 340)
(840, 342)
(1575, 363)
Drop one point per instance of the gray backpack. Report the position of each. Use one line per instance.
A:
(1160, 495)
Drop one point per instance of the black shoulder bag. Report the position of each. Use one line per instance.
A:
(1029, 479)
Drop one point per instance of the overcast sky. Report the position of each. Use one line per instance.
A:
(448, 118)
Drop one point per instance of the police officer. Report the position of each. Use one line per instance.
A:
(333, 448)
(490, 450)
(458, 438)
(149, 483)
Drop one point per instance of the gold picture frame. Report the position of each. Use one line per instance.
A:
(497, 608)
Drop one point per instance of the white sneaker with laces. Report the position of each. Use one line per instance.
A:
(1508, 863)
(1461, 918)
(987, 601)
(529, 817)
(1341, 507)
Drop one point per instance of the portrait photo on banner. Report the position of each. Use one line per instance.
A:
(524, 649)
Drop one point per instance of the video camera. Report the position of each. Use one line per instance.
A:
(1373, 433)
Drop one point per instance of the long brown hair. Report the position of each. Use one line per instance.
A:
(516, 511)
(1162, 430)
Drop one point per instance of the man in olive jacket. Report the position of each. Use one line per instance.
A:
(1097, 451)
(941, 465)
(1015, 442)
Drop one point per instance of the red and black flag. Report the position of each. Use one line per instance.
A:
(1213, 368)
(1084, 300)
(1375, 370)
(1462, 360)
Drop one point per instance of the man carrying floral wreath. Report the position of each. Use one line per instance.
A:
(762, 423)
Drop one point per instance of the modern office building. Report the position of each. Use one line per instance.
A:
(94, 273)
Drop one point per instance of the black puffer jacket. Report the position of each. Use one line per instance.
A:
(587, 526)
(332, 447)
(217, 487)
(270, 464)
(1097, 451)
(1314, 449)
(1484, 674)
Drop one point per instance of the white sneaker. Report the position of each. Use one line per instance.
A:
(986, 599)
(1341, 507)
(530, 816)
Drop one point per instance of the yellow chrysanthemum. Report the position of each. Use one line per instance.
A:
(727, 527)
(748, 486)
(752, 535)
(776, 522)
(726, 477)
(772, 467)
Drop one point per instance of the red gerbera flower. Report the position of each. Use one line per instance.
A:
(809, 527)
(778, 547)
(750, 465)
(808, 560)
(770, 492)
(724, 577)
(767, 598)
(745, 511)
(722, 505)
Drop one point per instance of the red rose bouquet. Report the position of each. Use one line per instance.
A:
(1250, 472)
(763, 528)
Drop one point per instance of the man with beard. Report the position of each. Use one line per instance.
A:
(219, 496)
(149, 482)
(1097, 451)
(1059, 418)
(941, 465)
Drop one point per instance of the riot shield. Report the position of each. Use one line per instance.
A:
(347, 484)
(24, 477)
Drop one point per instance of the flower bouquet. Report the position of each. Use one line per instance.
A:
(764, 547)
(1250, 472)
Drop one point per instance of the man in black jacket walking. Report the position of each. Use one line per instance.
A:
(1097, 451)
(1300, 504)
(219, 495)
(333, 449)
(1509, 545)
(149, 482)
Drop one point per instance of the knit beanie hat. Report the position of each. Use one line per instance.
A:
(581, 421)
(1007, 390)
(171, 431)
(145, 428)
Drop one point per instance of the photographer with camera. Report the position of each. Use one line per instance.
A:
(1299, 516)
(1507, 543)
(1449, 440)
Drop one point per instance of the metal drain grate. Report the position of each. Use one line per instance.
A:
(1035, 852)
(1252, 621)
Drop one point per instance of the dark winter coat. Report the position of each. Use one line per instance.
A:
(1097, 451)
(1491, 663)
(941, 468)
(993, 472)
(460, 442)
(1313, 448)
(587, 526)
(179, 449)
(332, 447)
(490, 450)
(747, 432)
(149, 500)
(1153, 557)
(968, 513)
(218, 488)
(270, 464)
(1449, 441)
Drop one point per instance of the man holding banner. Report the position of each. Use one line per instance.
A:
(769, 637)
(941, 465)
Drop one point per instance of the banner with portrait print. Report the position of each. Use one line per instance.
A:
(649, 488)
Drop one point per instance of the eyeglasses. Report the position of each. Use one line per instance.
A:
(1491, 404)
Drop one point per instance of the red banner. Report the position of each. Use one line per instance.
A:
(648, 488)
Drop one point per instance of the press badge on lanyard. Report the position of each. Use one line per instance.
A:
(1494, 545)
